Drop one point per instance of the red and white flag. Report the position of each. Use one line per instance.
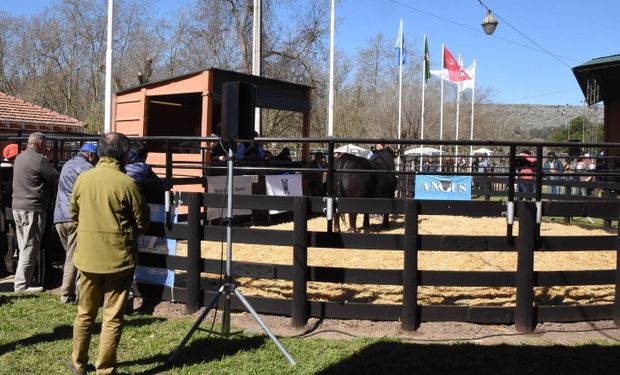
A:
(455, 72)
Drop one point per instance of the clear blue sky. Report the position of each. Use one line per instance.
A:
(575, 31)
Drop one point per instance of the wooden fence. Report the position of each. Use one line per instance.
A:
(525, 314)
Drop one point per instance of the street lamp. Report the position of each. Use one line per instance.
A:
(489, 22)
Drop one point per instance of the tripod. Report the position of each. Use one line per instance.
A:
(229, 287)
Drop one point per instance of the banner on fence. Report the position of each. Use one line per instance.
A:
(443, 187)
(283, 185)
(242, 185)
(158, 245)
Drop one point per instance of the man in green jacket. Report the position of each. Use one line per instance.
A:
(110, 213)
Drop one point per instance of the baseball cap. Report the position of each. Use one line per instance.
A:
(89, 147)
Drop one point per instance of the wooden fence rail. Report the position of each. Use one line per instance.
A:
(525, 314)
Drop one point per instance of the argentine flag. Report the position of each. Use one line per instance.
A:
(400, 46)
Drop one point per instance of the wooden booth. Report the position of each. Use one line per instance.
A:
(599, 80)
(190, 106)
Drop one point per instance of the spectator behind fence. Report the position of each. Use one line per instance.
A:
(149, 183)
(553, 169)
(429, 165)
(526, 164)
(584, 167)
(110, 213)
(251, 151)
(85, 159)
(33, 179)
(284, 155)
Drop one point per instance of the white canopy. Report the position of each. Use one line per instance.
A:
(483, 151)
(422, 151)
(352, 149)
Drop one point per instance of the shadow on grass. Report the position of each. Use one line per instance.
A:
(64, 332)
(402, 358)
(199, 351)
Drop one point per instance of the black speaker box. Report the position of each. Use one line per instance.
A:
(238, 105)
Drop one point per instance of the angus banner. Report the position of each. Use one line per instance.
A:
(242, 185)
(443, 187)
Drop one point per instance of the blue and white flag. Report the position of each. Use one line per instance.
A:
(401, 52)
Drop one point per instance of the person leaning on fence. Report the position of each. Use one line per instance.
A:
(33, 179)
(585, 167)
(110, 214)
(485, 165)
(553, 169)
(526, 164)
(85, 159)
(149, 183)
(251, 151)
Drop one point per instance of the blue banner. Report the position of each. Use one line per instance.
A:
(456, 188)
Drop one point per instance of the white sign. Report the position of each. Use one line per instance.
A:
(283, 185)
(242, 185)
(158, 245)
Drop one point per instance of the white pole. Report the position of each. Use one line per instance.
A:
(400, 79)
(423, 88)
(471, 126)
(256, 54)
(441, 112)
(107, 122)
(458, 104)
(400, 89)
(330, 111)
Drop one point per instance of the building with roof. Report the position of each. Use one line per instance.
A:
(19, 115)
(599, 80)
(190, 105)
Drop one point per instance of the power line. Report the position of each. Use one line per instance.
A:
(538, 47)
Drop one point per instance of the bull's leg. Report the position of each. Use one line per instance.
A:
(336, 222)
(386, 220)
(366, 221)
(353, 222)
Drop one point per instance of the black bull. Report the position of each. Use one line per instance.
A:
(364, 185)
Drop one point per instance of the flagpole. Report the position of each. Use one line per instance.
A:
(107, 122)
(330, 110)
(424, 67)
(458, 104)
(400, 88)
(471, 126)
(441, 112)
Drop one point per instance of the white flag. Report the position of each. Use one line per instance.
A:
(469, 84)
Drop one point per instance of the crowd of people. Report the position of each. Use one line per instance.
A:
(99, 212)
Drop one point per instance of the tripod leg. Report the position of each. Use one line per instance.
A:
(195, 326)
(262, 324)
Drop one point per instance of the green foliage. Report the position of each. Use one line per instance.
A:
(579, 128)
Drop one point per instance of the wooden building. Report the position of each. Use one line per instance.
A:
(599, 80)
(190, 105)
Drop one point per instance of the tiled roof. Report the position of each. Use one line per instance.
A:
(19, 114)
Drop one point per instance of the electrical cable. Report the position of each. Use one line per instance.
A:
(537, 48)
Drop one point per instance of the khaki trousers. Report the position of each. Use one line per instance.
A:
(68, 236)
(113, 290)
(29, 228)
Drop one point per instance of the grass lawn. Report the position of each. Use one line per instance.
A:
(35, 338)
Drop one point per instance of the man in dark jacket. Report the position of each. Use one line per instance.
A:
(148, 182)
(67, 230)
(33, 178)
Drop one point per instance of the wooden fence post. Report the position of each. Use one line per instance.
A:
(299, 313)
(526, 242)
(194, 300)
(410, 316)
(616, 310)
